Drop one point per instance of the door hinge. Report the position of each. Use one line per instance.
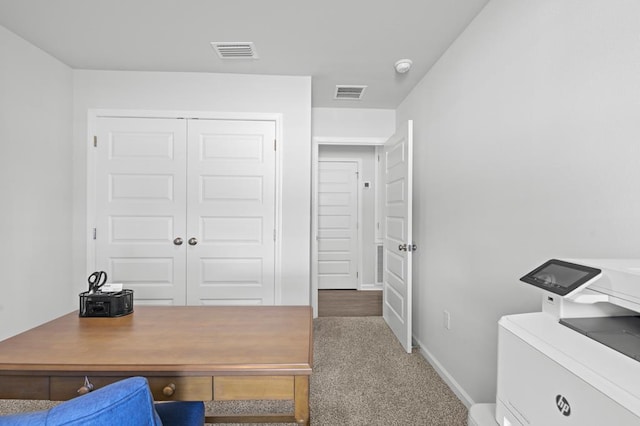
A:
(274, 144)
(274, 235)
(95, 233)
(95, 141)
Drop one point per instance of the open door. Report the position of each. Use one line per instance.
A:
(398, 242)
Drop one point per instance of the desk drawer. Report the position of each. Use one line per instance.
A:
(24, 387)
(163, 388)
(229, 388)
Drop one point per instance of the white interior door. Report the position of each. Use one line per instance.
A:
(140, 200)
(398, 243)
(231, 212)
(337, 225)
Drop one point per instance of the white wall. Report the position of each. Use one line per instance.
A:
(353, 122)
(35, 186)
(527, 148)
(290, 96)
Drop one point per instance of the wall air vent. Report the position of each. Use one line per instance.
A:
(235, 50)
(353, 93)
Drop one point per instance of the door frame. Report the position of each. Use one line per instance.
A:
(93, 114)
(317, 141)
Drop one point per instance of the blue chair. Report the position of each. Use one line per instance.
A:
(125, 403)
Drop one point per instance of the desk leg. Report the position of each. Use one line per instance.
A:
(301, 389)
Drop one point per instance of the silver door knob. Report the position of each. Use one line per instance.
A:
(402, 247)
(178, 241)
(193, 241)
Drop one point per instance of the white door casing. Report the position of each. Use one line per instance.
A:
(338, 225)
(156, 182)
(398, 243)
(231, 212)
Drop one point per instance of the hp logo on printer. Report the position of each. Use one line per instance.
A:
(563, 405)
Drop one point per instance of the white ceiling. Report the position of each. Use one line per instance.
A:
(352, 42)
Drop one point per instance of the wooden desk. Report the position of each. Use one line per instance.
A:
(198, 353)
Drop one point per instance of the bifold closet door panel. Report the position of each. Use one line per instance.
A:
(230, 212)
(140, 184)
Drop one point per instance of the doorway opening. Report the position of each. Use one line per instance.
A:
(347, 239)
(394, 226)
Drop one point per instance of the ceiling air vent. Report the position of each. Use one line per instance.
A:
(235, 50)
(353, 93)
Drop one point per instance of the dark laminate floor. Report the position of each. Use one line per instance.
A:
(349, 303)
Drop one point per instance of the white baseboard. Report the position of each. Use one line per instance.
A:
(371, 287)
(444, 374)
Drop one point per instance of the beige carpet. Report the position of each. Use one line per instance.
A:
(361, 376)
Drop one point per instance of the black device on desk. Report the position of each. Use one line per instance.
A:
(96, 303)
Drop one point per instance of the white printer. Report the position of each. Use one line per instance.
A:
(576, 363)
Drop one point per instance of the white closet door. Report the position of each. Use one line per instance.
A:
(231, 212)
(337, 225)
(140, 201)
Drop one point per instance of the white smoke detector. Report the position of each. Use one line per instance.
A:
(403, 65)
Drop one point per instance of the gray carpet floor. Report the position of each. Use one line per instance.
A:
(361, 377)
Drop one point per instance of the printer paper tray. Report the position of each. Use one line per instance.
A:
(619, 333)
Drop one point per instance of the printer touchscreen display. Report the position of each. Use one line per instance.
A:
(560, 277)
